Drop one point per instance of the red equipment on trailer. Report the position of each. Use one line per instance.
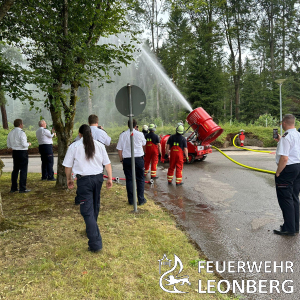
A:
(205, 130)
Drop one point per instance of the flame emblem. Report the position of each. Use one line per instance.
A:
(174, 280)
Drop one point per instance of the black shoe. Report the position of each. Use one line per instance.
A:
(283, 232)
(156, 177)
(52, 179)
(169, 182)
(145, 201)
(297, 231)
(181, 183)
(94, 251)
(13, 191)
(26, 191)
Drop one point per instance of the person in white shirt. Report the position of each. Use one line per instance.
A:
(287, 177)
(98, 132)
(17, 141)
(124, 151)
(86, 158)
(44, 137)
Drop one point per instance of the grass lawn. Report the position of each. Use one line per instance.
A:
(43, 248)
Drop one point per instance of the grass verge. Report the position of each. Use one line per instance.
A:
(45, 255)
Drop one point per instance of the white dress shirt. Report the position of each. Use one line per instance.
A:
(76, 159)
(289, 145)
(124, 143)
(44, 136)
(17, 139)
(99, 135)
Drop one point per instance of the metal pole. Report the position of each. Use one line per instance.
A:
(280, 109)
(132, 149)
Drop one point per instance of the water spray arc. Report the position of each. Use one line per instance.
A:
(166, 79)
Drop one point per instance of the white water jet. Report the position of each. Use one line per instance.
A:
(166, 79)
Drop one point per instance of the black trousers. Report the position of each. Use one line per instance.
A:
(287, 189)
(140, 179)
(46, 151)
(20, 162)
(88, 197)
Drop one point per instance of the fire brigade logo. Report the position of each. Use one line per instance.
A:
(172, 280)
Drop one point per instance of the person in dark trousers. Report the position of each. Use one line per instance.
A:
(145, 130)
(287, 177)
(44, 137)
(124, 151)
(17, 141)
(152, 151)
(176, 148)
(86, 158)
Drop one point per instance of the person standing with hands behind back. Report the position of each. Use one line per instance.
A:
(17, 141)
(86, 157)
(287, 177)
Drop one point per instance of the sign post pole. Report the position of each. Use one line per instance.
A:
(132, 148)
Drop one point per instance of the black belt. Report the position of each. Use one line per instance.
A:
(78, 176)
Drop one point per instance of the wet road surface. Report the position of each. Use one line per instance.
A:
(230, 212)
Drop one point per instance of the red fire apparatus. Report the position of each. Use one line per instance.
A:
(204, 131)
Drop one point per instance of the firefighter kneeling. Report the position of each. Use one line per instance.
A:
(152, 150)
(176, 148)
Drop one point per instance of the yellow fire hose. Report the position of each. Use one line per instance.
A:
(233, 142)
(251, 168)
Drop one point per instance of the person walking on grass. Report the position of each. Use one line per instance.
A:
(86, 158)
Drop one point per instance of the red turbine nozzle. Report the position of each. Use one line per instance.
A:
(203, 124)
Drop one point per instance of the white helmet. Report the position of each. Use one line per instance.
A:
(145, 127)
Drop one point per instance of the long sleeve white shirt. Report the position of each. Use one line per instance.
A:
(44, 136)
(17, 139)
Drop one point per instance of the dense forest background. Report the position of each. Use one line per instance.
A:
(224, 56)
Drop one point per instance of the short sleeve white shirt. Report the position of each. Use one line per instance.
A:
(75, 158)
(98, 135)
(124, 143)
(44, 136)
(17, 139)
(289, 145)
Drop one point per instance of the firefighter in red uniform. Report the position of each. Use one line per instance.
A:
(152, 149)
(176, 148)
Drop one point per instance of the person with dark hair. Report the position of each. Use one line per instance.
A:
(17, 141)
(287, 177)
(176, 148)
(98, 133)
(44, 137)
(153, 150)
(86, 158)
(124, 151)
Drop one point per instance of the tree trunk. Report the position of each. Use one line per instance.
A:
(4, 117)
(152, 26)
(90, 105)
(5, 7)
(157, 100)
(64, 130)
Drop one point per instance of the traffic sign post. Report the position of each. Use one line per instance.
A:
(130, 102)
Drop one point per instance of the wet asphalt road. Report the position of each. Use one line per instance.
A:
(230, 212)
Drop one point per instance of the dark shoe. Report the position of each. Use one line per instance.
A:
(181, 183)
(145, 201)
(156, 177)
(43, 179)
(13, 191)
(94, 251)
(53, 179)
(283, 232)
(297, 231)
(169, 182)
(26, 191)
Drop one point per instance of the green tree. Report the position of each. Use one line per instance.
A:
(61, 42)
